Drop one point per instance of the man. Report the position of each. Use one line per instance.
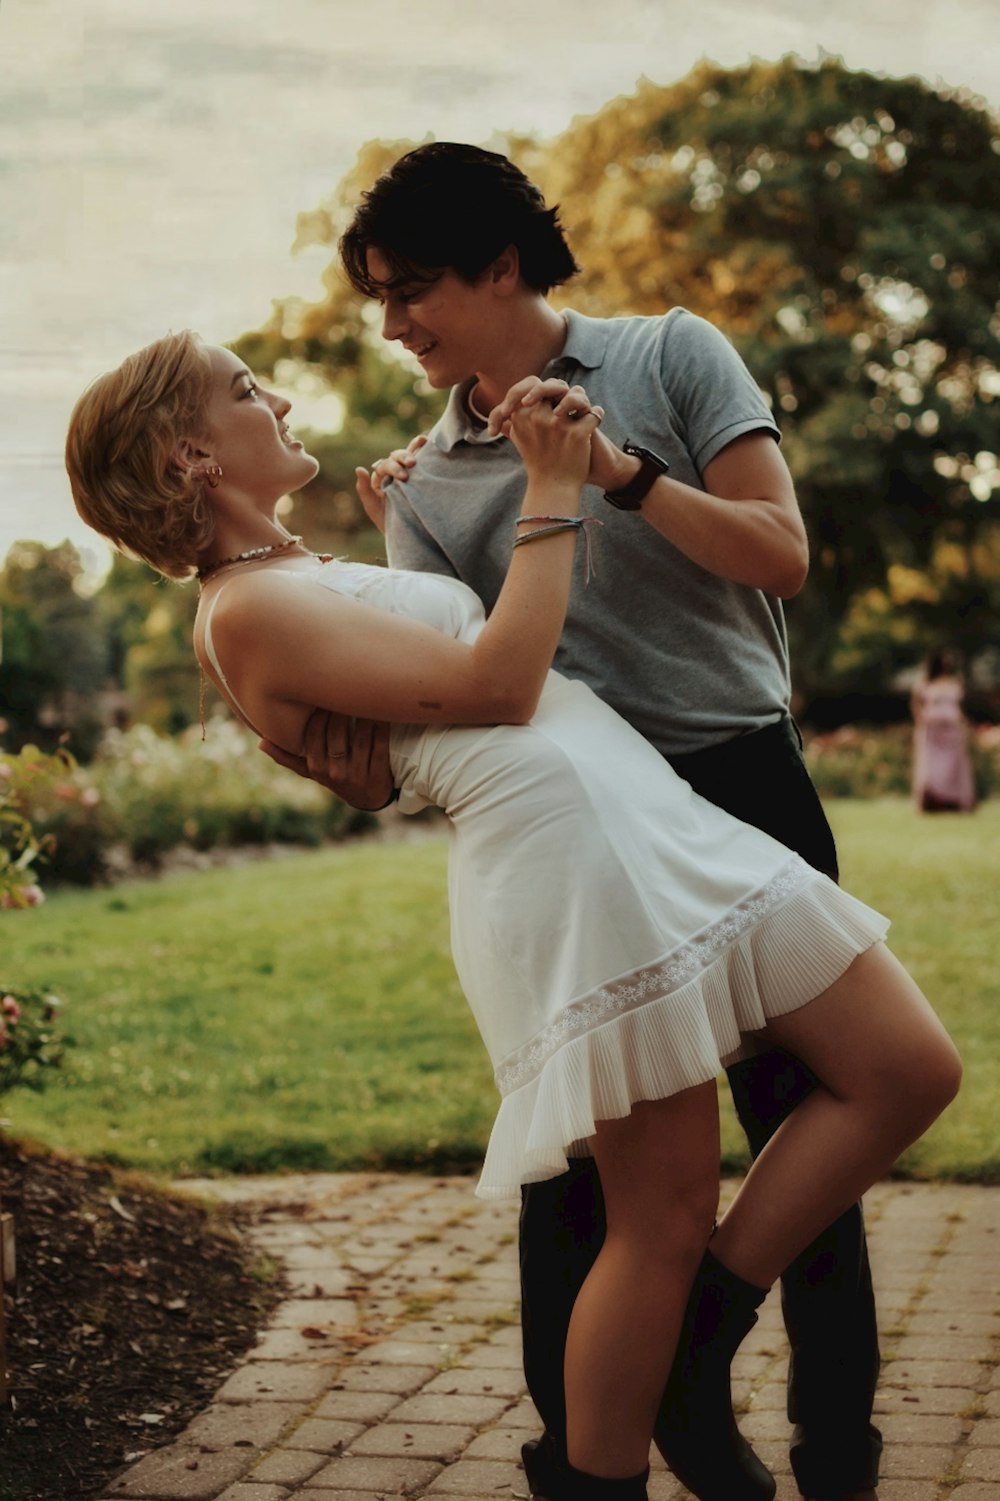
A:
(681, 631)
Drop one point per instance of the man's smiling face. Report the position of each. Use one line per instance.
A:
(449, 324)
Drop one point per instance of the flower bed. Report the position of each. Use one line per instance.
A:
(855, 761)
(145, 795)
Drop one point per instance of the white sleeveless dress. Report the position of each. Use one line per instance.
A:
(618, 938)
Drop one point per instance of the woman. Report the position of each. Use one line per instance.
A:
(614, 948)
(942, 766)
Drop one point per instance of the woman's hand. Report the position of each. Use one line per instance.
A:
(551, 425)
(396, 466)
(609, 467)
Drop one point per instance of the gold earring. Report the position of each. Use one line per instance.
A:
(212, 474)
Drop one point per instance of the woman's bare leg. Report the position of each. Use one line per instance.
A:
(659, 1171)
(886, 1069)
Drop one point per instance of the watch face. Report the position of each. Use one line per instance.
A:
(631, 496)
(648, 456)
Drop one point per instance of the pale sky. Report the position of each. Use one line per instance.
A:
(154, 153)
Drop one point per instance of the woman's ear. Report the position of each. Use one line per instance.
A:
(188, 454)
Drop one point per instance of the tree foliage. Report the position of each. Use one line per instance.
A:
(148, 621)
(55, 660)
(75, 660)
(385, 399)
(844, 230)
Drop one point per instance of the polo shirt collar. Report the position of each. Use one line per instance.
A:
(585, 348)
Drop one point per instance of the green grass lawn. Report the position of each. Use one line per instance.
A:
(303, 1012)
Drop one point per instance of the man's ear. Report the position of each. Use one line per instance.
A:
(505, 272)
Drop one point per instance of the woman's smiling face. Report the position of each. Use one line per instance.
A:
(248, 435)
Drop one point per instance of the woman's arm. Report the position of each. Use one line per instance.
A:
(286, 649)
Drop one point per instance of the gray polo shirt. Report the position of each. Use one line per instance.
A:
(689, 659)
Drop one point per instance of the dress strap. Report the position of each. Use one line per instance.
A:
(213, 657)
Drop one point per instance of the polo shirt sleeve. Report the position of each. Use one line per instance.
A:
(709, 387)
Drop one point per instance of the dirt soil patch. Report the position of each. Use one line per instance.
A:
(130, 1307)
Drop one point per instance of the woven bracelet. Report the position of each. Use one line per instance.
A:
(563, 524)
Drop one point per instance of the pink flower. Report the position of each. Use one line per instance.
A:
(11, 1009)
(33, 896)
(90, 797)
(5, 772)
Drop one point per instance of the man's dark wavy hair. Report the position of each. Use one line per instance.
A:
(446, 206)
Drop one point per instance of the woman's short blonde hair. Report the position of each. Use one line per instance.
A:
(121, 454)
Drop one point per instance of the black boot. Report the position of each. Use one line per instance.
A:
(696, 1431)
(579, 1486)
(544, 1461)
(551, 1475)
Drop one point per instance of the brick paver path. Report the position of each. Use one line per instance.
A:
(394, 1366)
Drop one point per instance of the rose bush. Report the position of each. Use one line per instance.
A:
(27, 781)
(29, 1044)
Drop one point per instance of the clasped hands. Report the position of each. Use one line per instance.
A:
(350, 757)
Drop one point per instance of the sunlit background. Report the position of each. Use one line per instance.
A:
(155, 153)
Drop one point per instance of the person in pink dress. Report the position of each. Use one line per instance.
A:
(942, 764)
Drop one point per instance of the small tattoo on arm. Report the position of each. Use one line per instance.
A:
(425, 703)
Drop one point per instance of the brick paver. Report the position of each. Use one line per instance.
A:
(393, 1366)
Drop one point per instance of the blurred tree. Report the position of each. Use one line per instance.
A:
(54, 658)
(148, 620)
(385, 399)
(844, 230)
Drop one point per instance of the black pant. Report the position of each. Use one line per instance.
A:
(826, 1294)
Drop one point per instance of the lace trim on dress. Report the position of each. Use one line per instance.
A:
(653, 981)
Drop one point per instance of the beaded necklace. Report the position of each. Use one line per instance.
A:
(252, 555)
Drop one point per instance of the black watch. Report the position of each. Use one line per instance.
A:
(631, 496)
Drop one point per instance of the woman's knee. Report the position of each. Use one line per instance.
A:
(941, 1076)
(913, 1088)
(667, 1242)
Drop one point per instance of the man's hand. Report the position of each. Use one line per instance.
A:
(610, 468)
(371, 487)
(349, 757)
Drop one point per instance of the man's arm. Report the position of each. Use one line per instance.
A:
(744, 526)
(349, 757)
